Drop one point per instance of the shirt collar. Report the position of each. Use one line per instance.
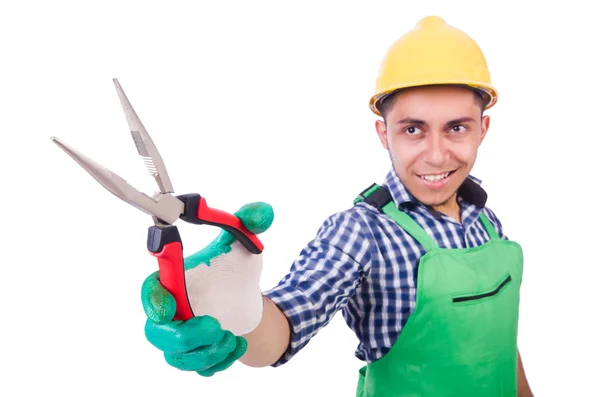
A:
(470, 191)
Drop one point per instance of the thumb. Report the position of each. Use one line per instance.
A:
(158, 303)
(257, 217)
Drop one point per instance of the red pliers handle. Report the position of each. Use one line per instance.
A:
(164, 242)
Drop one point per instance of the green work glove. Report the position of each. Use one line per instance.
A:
(222, 282)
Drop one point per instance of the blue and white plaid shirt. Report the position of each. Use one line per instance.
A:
(363, 264)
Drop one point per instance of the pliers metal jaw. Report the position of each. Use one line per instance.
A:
(165, 208)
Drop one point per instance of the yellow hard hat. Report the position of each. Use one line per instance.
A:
(433, 52)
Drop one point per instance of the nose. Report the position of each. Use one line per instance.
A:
(435, 150)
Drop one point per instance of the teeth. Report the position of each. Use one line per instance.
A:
(435, 178)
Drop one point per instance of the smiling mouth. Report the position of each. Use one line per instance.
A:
(436, 177)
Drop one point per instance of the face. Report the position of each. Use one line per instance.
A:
(432, 135)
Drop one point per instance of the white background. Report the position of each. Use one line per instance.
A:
(268, 101)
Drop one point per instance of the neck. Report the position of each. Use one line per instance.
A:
(450, 208)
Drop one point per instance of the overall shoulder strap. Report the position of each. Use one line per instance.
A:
(380, 198)
(489, 228)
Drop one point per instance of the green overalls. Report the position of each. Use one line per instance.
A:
(461, 339)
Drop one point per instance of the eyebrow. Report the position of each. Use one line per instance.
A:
(410, 120)
(460, 121)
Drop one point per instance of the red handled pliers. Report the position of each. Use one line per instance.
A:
(164, 241)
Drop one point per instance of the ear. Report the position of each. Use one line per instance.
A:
(485, 125)
(382, 133)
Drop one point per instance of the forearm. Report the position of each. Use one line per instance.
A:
(523, 386)
(268, 341)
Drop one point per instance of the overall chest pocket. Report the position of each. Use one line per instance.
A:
(487, 293)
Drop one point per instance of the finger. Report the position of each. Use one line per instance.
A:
(236, 354)
(256, 217)
(184, 336)
(159, 305)
(203, 357)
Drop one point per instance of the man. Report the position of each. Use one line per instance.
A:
(419, 267)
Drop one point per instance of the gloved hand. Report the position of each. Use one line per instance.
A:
(223, 289)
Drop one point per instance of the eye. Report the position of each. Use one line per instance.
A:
(412, 130)
(458, 128)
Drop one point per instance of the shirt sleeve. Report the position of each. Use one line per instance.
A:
(322, 279)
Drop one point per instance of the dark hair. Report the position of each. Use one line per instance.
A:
(386, 103)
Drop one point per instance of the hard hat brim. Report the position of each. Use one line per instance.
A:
(487, 89)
